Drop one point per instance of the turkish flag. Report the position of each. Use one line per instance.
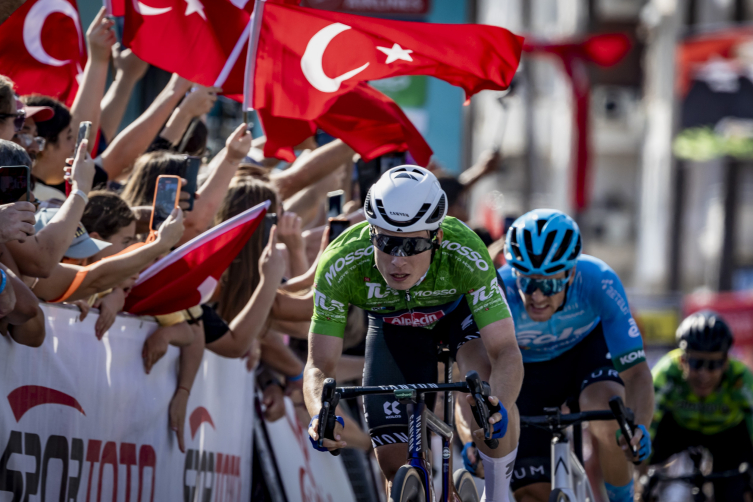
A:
(307, 58)
(203, 41)
(364, 118)
(188, 276)
(115, 7)
(43, 49)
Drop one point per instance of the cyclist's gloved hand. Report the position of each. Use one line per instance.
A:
(469, 466)
(500, 428)
(314, 443)
(644, 447)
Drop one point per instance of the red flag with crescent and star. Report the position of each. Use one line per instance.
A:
(204, 41)
(189, 275)
(308, 60)
(42, 48)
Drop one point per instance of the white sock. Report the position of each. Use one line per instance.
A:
(497, 474)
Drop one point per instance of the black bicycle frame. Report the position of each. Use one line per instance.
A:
(419, 419)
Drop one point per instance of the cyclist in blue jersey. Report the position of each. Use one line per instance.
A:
(579, 341)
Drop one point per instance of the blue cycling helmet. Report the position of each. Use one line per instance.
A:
(543, 242)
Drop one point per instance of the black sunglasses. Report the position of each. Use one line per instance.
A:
(709, 364)
(18, 121)
(400, 246)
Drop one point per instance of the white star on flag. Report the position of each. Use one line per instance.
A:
(195, 6)
(395, 53)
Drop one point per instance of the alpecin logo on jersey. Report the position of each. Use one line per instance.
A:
(419, 319)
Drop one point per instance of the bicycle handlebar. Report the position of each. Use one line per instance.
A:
(331, 395)
(559, 421)
(556, 421)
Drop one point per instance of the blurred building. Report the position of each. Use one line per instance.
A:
(670, 185)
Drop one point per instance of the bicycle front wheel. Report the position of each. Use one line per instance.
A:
(465, 486)
(558, 495)
(407, 486)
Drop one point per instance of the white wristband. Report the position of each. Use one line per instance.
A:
(81, 194)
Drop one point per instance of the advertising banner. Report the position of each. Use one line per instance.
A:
(80, 420)
(307, 475)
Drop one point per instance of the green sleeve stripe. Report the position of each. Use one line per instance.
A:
(486, 317)
(328, 328)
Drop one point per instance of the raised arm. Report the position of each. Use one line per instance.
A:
(86, 106)
(198, 102)
(136, 138)
(129, 69)
(316, 166)
(251, 321)
(486, 164)
(111, 271)
(38, 255)
(222, 168)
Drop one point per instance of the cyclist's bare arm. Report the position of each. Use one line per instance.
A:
(639, 395)
(324, 353)
(507, 363)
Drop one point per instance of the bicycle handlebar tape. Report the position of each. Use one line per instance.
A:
(624, 419)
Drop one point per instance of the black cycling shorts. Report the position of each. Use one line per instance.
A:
(403, 355)
(549, 384)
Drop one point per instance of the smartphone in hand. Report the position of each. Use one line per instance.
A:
(15, 184)
(84, 131)
(335, 201)
(166, 198)
(336, 227)
(190, 174)
(270, 220)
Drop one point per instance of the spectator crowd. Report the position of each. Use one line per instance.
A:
(88, 248)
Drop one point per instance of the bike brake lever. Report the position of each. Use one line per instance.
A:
(327, 417)
(480, 391)
(624, 419)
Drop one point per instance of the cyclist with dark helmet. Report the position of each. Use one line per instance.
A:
(705, 398)
(579, 341)
(424, 278)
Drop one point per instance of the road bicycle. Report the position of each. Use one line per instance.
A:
(413, 481)
(569, 479)
(660, 484)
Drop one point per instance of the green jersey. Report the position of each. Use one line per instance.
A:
(726, 407)
(461, 267)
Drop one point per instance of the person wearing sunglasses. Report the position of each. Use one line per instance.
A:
(580, 345)
(423, 278)
(28, 136)
(704, 398)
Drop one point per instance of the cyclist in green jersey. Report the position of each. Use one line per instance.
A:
(424, 279)
(704, 398)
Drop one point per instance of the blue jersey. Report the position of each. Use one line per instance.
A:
(595, 296)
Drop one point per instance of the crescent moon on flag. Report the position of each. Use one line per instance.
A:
(148, 10)
(311, 62)
(33, 28)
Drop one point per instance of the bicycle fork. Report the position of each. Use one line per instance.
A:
(419, 419)
(567, 473)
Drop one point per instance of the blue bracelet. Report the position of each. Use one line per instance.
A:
(295, 378)
(4, 281)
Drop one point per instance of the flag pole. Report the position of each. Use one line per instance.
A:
(108, 7)
(253, 43)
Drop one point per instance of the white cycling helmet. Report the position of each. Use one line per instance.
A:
(406, 199)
